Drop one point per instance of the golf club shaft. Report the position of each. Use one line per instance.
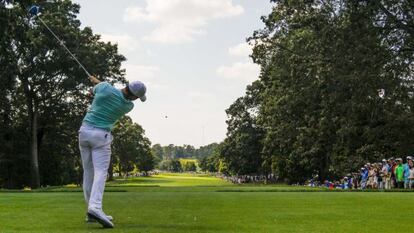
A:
(64, 46)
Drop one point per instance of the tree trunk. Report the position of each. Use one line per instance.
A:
(323, 169)
(111, 171)
(33, 115)
(34, 152)
(7, 147)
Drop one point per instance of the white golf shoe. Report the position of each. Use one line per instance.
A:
(99, 216)
(91, 220)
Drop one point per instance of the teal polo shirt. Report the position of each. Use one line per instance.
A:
(108, 105)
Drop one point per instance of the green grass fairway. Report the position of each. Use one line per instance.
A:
(186, 160)
(187, 203)
(170, 180)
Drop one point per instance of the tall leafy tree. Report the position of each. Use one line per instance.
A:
(210, 163)
(207, 150)
(157, 151)
(130, 148)
(169, 152)
(7, 111)
(241, 150)
(189, 166)
(323, 63)
(48, 85)
(189, 151)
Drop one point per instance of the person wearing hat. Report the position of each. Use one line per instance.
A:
(108, 106)
(386, 175)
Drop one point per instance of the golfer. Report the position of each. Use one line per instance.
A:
(109, 105)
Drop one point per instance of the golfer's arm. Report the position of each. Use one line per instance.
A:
(94, 80)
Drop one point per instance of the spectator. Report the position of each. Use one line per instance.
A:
(380, 176)
(386, 176)
(399, 174)
(406, 168)
(411, 162)
(355, 178)
(345, 184)
(411, 177)
(377, 170)
(393, 178)
(350, 181)
(371, 176)
(364, 177)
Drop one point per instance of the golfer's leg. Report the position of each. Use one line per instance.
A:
(101, 157)
(88, 173)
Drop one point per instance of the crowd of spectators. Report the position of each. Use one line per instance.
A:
(388, 174)
(271, 178)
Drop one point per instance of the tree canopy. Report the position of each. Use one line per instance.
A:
(44, 91)
(131, 149)
(325, 66)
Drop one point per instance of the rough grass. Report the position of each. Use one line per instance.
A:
(156, 205)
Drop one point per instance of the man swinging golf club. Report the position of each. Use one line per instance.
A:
(109, 105)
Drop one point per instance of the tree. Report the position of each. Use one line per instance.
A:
(189, 166)
(209, 164)
(131, 148)
(189, 151)
(186, 151)
(48, 87)
(203, 164)
(241, 150)
(322, 64)
(169, 152)
(146, 163)
(158, 153)
(206, 150)
(173, 165)
(8, 112)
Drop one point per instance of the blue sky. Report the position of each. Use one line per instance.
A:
(191, 54)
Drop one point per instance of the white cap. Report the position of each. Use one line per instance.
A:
(138, 89)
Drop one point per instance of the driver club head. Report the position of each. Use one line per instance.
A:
(34, 10)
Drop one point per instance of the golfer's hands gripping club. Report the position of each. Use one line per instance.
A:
(94, 80)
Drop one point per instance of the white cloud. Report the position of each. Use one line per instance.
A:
(243, 71)
(137, 14)
(146, 74)
(179, 21)
(125, 42)
(246, 71)
(141, 72)
(241, 50)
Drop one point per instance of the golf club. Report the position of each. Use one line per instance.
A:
(35, 11)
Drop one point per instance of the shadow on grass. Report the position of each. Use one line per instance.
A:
(58, 190)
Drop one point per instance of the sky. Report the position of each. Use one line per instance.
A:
(191, 54)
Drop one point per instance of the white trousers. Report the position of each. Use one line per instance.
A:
(95, 149)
